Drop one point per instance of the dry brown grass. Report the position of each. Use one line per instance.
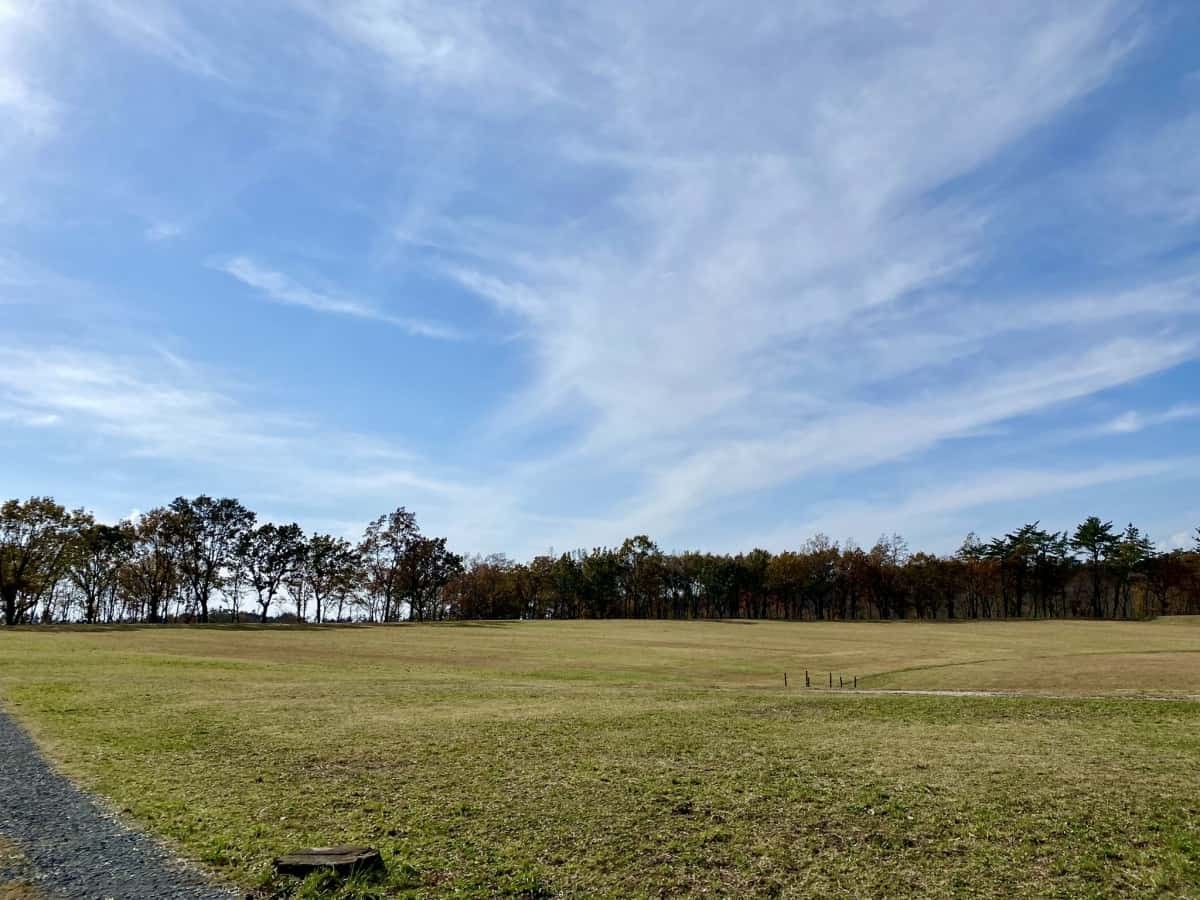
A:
(13, 884)
(645, 758)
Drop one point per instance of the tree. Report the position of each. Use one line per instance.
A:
(819, 557)
(297, 584)
(1095, 539)
(34, 537)
(150, 577)
(1166, 573)
(599, 572)
(428, 568)
(1129, 556)
(270, 554)
(97, 556)
(884, 575)
(640, 577)
(59, 565)
(206, 533)
(384, 548)
(925, 583)
(331, 567)
(977, 573)
(568, 586)
(1051, 570)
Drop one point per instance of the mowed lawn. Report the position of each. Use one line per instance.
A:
(628, 759)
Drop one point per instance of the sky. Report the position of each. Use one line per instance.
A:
(554, 274)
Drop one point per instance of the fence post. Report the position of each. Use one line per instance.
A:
(785, 679)
(831, 679)
(807, 683)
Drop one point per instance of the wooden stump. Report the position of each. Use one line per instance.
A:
(342, 860)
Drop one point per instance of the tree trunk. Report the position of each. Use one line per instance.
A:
(9, 595)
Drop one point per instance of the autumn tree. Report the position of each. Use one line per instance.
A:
(95, 559)
(34, 538)
(386, 543)
(1130, 554)
(977, 576)
(151, 574)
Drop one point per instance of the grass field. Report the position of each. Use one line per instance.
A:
(629, 759)
(14, 883)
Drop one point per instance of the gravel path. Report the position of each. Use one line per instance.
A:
(74, 846)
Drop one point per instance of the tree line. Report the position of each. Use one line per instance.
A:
(204, 559)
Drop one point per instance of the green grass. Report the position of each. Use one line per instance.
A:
(627, 759)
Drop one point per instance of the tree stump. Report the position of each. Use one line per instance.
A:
(342, 860)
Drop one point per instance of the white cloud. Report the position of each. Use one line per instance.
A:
(779, 258)
(1133, 421)
(741, 248)
(928, 511)
(871, 435)
(1182, 540)
(165, 31)
(170, 410)
(163, 231)
(425, 44)
(28, 113)
(29, 418)
(281, 288)
(1156, 174)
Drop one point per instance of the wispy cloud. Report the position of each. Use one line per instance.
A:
(280, 288)
(29, 418)
(28, 113)
(163, 408)
(1155, 175)
(493, 48)
(165, 31)
(163, 231)
(772, 273)
(838, 262)
(871, 435)
(1133, 421)
(928, 511)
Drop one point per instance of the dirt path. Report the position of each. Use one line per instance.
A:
(1179, 698)
(71, 846)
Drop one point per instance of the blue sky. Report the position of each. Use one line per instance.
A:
(552, 274)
